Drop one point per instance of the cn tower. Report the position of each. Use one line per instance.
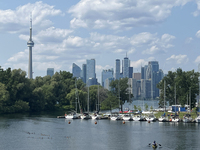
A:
(30, 44)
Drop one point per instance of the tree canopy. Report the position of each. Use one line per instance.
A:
(184, 84)
(120, 88)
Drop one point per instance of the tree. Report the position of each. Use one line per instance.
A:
(110, 102)
(146, 106)
(135, 107)
(120, 89)
(183, 81)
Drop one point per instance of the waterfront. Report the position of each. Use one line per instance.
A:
(39, 132)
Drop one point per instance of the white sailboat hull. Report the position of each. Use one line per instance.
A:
(187, 120)
(175, 120)
(162, 119)
(197, 119)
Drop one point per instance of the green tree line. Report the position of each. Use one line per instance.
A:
(184, 83)
(61, 91)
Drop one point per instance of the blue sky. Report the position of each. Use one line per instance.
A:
(66, 32)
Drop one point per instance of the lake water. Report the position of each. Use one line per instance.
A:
(40, 132)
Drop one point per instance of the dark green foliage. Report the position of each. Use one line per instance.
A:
(20, 94)
(183, 82)
(120, 89)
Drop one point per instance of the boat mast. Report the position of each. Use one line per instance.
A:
(164, 95)
(88, 101)
(76, 95)
(187, 103)
(175, 98)
(98, 98)
(119, 95)
(190, 99)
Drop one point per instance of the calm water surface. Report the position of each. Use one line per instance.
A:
(48, 132)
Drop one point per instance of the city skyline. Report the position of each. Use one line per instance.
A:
(74, 31)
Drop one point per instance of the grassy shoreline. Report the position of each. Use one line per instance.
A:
(181, 114)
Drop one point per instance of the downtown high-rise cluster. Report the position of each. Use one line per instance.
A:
(141, 84)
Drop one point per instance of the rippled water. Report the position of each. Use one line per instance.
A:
(48, 132)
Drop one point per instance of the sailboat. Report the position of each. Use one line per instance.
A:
(86, 115)
(175, 117)
(97, 115)
(197, 119)
(163, 118)
(187, 118)
(74, 114)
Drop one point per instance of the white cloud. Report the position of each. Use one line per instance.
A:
(54, 44)
(153, 43)
(198, 34)
(143, 38)
(126, 14)
(197, 12)
(138, 63)
(152, 50)
(99, 68)
(178, 59)
(131, 51)
(119, 51)
(197, 60)
(44, 65)
(22, 56)
(49, 35)
(18, 20)
(188, 40)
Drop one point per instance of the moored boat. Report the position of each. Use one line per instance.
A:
(116, 117)
(187, 118)
(139, 118)
(127, 117)
(163, 118)
(86, 116)
(175, 118)
(197, 119)
(73, 115)
(151, 117)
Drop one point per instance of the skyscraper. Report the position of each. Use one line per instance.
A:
(83, 73)
(130, 72)
(117, 69)
(90, 69)
(152, 73)
(107, 83)
(76, 71)
(105, 75)
(30, 44)
(126, 66)
(50, 71)
(137, 76)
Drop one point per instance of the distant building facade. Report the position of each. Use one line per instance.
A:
(83, 73)
(130, 72)
(117, 69)
(107, 83)
(50, 71)
(126, 65)
(137, 76)
(90, 69)
(76, 71)
(105, 75)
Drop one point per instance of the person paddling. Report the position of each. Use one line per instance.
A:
(154, 143)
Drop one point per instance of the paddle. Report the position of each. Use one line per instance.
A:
(149, 144)
(156, 143)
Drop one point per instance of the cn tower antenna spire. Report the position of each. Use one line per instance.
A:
(30, 44)
(31, 26)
